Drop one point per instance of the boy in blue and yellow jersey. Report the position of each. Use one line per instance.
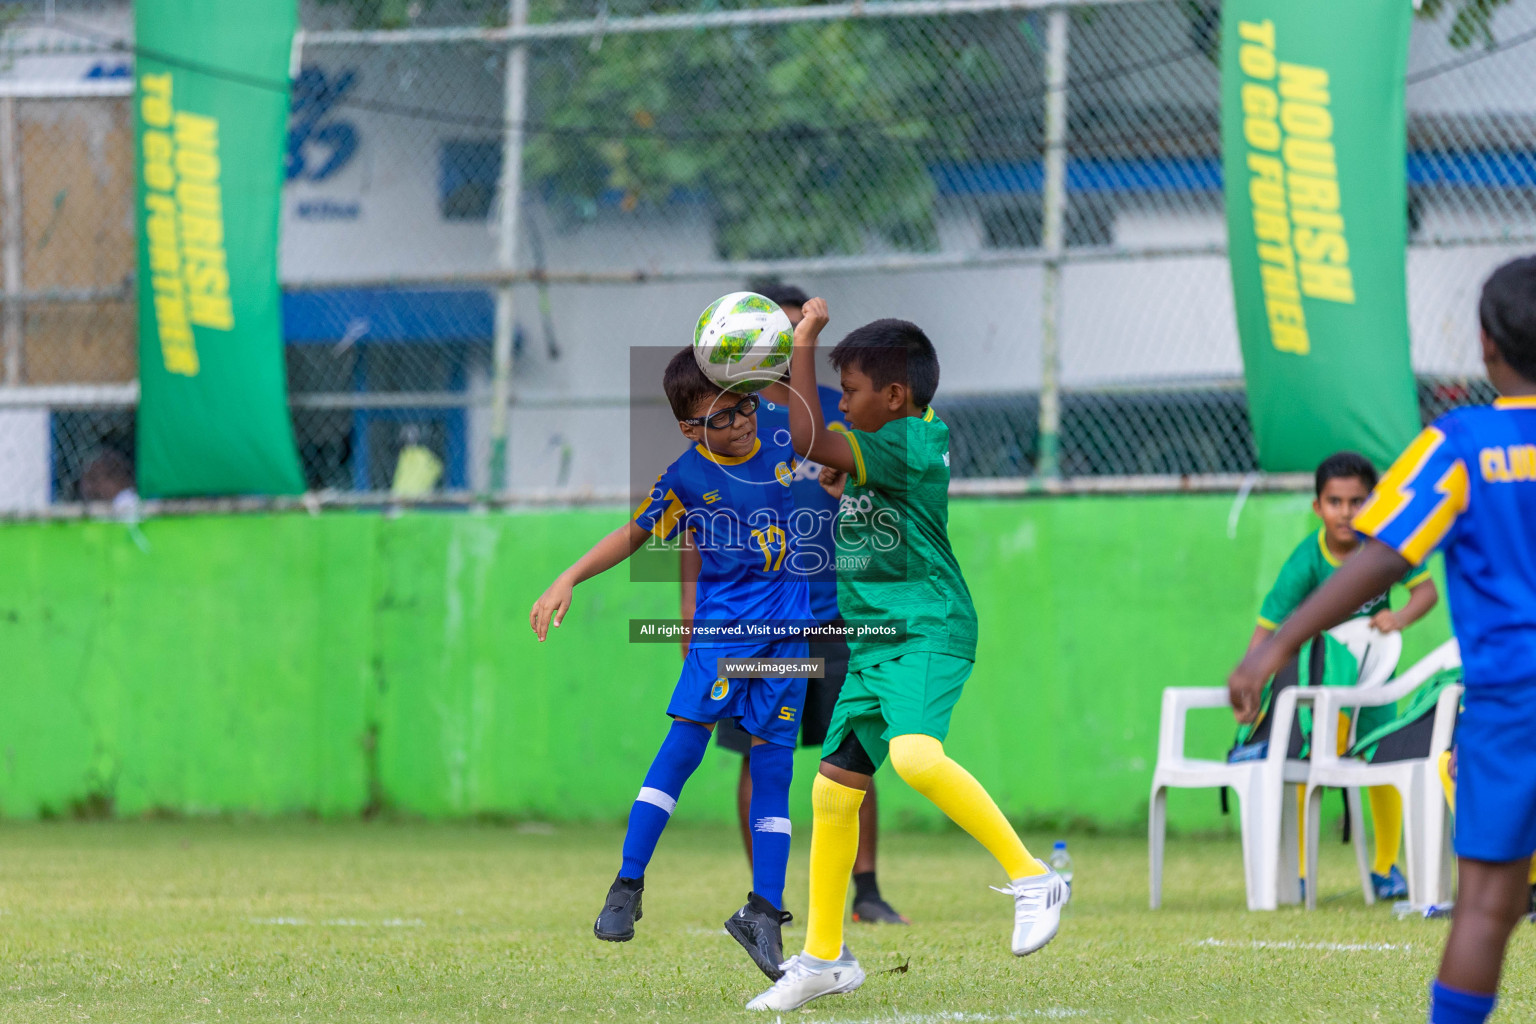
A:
(1467, 486)
(815, 515)
(731, 492)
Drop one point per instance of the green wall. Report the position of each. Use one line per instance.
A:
(295, 663)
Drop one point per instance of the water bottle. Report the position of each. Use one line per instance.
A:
(1061, 862)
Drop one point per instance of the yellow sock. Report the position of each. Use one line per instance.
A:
(920, 760)
(834, 845)
(1301, 830)
(1446, 780)
(1387, 813)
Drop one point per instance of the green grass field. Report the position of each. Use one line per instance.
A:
(151, 921)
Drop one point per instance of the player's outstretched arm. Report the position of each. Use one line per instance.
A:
(552, 605)
(808, 431)
(1368, 572)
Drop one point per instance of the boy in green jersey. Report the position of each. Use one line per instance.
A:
(1342, 482)
(894, 566)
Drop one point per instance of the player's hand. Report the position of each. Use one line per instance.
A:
(1245, 686)
(1386, 621)
(814, 317)
(550, 608)
(833, 481)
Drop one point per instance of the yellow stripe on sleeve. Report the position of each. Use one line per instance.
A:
(645, 502)
(1418, 577)
(859, 475)
(1438, 523)
(667, 524)
(1392, 493)
(1267, 624)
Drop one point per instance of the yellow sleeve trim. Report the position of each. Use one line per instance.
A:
(859, 475)
(1267, 624)
(666, 523)
(645, 502)
(666, 526)
(1418, 578)
(1454, 486)
(1392, 493)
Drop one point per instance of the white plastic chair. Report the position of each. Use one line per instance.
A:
(1267, 813)
(1377, 654)
(1425, 823)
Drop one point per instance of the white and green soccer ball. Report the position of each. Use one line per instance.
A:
(742, 342)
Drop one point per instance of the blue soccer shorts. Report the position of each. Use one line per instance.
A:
(766, 707)
(1496, 773)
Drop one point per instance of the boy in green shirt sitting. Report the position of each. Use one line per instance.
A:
(1343, 482)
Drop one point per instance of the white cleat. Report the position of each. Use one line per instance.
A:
(1037, 903)
(802, 982)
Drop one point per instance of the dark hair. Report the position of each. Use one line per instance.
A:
(1343, 466)
(892, 352)
(781, 293)
(685, 384)
(1507, 310)
(106, 476)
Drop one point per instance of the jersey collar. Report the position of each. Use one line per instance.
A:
(928, 416)
(729, 460)
(1516, 402)
(1322, 542)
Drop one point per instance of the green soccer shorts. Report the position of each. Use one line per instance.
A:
(913, 693)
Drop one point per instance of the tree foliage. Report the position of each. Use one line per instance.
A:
(812, 138)
(1472, 22)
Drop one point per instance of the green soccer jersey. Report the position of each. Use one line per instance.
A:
(894, 562)
(1309, 565)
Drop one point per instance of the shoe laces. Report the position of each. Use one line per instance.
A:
(1032, 897)
(795, 969)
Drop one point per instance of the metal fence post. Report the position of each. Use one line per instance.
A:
(1053, 217)
(510, 190)
(10, 230)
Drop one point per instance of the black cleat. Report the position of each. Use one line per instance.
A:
(758, 926)
(874, 910)
(616, 923)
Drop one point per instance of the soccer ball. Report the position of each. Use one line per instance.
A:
(742, 342)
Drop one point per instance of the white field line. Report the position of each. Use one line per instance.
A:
(341, 922)
(1327, 947)
(951, 1017)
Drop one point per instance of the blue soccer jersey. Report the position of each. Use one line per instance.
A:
(816, 510)
(738, 510)
(1467, 484)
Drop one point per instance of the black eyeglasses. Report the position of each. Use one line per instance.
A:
(726, 417)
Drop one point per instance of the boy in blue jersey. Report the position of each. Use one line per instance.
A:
(731, 492)
(1466, 485)
(816, 509)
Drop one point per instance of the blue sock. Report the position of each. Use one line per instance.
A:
(771, 767)
(679, 755)
(1453, 1006)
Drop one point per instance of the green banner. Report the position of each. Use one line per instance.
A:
(1313, 142)
(210, 119)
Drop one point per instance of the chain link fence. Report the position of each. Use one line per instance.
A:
(896, 158)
